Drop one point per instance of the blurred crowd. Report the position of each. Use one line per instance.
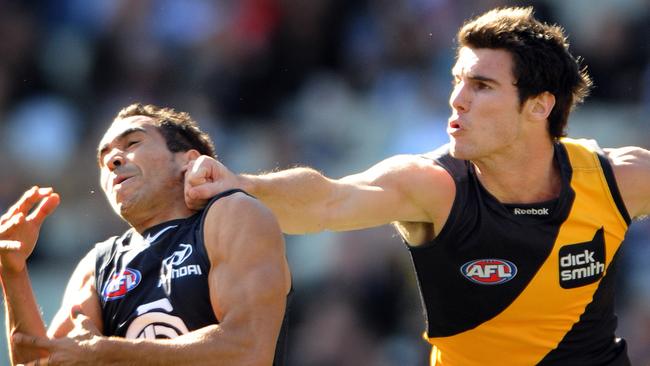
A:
(335, 84)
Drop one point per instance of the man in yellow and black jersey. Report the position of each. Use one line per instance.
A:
(513, 228)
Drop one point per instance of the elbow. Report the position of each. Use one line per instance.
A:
(246, 346)
(263, 353)
(255, 360)
(256, 353)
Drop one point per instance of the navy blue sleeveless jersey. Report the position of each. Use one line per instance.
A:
(526, 284)
(155, 285)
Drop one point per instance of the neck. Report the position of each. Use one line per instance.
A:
(143, 221)
(527, 174)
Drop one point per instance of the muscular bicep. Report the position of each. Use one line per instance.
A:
(80, 291)
(403, 188)
(249, 277)
(631, 167)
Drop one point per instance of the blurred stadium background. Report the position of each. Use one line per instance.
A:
(336, 84)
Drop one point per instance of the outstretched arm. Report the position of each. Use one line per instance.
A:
(631, 167)
(248, 280)
(402, 188)
(19, 229)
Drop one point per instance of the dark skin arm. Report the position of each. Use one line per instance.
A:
(19, 230)
(248, 281)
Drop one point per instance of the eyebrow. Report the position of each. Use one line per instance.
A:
(102, 150)
(482, 78)
(475, 77)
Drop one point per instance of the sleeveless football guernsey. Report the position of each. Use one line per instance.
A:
(526, 284)
(156, 285)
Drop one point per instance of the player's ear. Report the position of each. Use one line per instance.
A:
(540, 106)
(189, 155)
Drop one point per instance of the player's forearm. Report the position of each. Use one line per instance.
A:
(211, 345)
(298, 197)
(21, 313)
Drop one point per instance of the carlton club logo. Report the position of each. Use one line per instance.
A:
(489, 271)
(120, 284)
(154, 321)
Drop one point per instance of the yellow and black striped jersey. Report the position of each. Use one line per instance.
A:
(508, 284)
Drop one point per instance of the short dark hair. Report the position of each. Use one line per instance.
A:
(180, 131)
(541, 58)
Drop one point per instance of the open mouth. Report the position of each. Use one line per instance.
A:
(120, 180)
(453, 122)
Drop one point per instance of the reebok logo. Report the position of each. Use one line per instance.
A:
(530, 211)
(582, 263)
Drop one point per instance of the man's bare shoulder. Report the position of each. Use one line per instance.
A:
(239, 200)
(631, 165)
(416, 164)
(426, 170)
(240, 215)
(239, 208)
(627, 155)
(405, 172)
(430, 186)
(413, 169)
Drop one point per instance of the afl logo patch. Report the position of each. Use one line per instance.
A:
(120, 284)
(489, 271)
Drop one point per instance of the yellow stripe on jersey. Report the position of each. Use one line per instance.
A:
(534, 324)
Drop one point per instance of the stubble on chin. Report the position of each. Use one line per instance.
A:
(124, 209)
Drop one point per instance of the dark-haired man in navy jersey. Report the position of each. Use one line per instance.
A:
(181, 287)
